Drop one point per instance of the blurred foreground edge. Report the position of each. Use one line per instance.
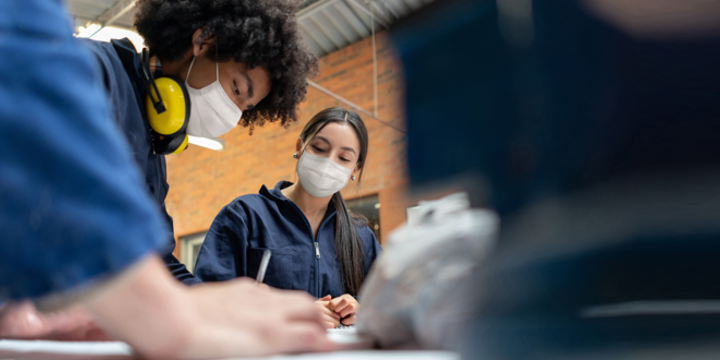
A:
(598, 147)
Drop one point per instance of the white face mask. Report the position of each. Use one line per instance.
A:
(212, 113)
(320, 176)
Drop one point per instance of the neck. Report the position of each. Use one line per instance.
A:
(178, 68)
(311, 206)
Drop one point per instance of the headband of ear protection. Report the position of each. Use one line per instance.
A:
(167, 104)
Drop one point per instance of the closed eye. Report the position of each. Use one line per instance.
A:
(318, 149)
(344, 159)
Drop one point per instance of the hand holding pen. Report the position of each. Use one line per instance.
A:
(263, 267)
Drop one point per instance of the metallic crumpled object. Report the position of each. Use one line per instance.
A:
(421, 291)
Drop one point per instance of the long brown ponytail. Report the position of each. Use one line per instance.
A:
(348, 247)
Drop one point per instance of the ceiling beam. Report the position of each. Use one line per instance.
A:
(327, 34)
(339, 26)
(391, 10)
(316, 40)
(369, 13)
(120, 8)
(314, 8)
(352, 18)
(352, 105)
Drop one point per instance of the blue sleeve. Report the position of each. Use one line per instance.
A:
(370, 245)
(178, 270)
(72, 203)
(123, 104)
(223, 253)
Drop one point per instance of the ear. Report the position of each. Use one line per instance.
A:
(200, 45)
(357, 169)
(298, 146)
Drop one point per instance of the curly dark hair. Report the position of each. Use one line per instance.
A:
(255, 32)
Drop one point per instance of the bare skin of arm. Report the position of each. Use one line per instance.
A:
(161, 318)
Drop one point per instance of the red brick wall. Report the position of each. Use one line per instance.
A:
(203, 181)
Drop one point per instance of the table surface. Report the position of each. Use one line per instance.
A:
(54, 350)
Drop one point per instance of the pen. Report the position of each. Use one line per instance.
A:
(263, 266)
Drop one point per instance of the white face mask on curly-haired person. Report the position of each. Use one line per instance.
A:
(220, 91)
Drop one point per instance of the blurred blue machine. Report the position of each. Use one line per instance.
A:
(601, 153)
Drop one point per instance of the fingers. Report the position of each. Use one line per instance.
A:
(268, 322)
(262, 286)
(344, 305)
(296, 306)
(324, 300)
(303, 338)
(280, 321)
(351, 309)
(245, 294)
(342, 301)
(330, 319)
(337, 303)
(247, 291)
(331, 324)
(350, 320)
(22, 321)
(330, 313)
(301, 311)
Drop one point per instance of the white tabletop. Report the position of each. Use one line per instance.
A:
(53, 350)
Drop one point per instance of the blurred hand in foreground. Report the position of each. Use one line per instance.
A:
(20, 320)
(162, 318)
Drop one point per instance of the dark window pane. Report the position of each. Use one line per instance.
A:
(369, 207)
(195, 252)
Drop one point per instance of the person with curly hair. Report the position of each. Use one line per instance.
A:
(251, 37)
(243, 61)
(245, 56)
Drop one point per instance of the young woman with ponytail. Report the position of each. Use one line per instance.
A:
(317, 244)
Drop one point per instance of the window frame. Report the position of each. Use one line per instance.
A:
(187, 244)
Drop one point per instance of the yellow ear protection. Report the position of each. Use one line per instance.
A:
(167, 104)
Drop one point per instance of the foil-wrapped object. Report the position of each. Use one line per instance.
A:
(422, 289)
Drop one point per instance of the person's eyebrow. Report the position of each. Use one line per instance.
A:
(249, 85)
(249, 89)
(328, 142)
(322, 138)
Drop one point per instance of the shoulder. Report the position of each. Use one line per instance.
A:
(360, 223)
(253, 201)
(370, 244)
(99, 47)
(249, 204)
(106, 59)
(102, 51)
(363, 230)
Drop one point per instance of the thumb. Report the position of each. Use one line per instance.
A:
(326, 298)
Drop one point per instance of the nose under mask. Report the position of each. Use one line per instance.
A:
(212, 112)
(321, 177)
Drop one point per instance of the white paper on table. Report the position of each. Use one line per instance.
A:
(371, 355)
(21, 349)
(349, 339)
(63, 349)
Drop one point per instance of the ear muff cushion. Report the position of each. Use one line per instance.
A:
(183, 144)
(175, 118)
(171, 145)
